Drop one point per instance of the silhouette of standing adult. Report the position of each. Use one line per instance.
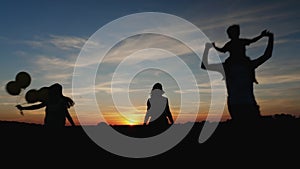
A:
(158, 111)
(241, 102)
(56, 104)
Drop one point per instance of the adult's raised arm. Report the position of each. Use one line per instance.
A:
(205, 65)
(268, 52)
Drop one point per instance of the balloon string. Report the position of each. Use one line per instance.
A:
(19, 101)
(20, 96)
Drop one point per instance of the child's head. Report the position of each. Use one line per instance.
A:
(55, 90)
(233, 31)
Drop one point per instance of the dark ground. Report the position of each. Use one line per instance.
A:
(273, 142)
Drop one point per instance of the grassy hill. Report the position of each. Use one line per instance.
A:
(274, 140)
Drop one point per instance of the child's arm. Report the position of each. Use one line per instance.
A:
(263, 33)
(70, 119)
(33, 107)
(69, 103)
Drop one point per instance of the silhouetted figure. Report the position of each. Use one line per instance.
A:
(158, 111)
(237, 46)
(56, 104)
(241, 102)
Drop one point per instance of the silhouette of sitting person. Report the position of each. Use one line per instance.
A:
(56, 111)
(158, 111)
(236, 46)
(241, 102)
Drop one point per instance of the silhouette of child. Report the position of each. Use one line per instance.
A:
(158, 111)
(56, 104)
(237, 46)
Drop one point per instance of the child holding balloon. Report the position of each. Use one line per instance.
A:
(55, 102)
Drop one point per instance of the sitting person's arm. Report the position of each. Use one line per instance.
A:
(147, 116)
(168, 113)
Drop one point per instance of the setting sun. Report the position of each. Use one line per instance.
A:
(131, 123)
(124, 119)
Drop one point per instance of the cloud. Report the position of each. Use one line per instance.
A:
(280, 79)
(53, 63)
(286, 41)
(34, 43)
(50, 69)
(187, 91)
(246, 15)
(279, 105)
(282, 92)
(68, 43)
(146, 41)
(119, 86)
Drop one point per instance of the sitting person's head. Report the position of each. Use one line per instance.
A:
(157, 89)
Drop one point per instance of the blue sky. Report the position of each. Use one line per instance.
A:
(45, 38)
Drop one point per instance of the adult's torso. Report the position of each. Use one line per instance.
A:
(239, 82)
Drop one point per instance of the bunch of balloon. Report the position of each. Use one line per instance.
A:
(17, 86)
(34, 95)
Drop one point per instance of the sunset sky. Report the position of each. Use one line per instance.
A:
(45, 38)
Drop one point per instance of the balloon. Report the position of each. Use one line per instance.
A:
(31, 96)
(43, 94)
(23, 79)
(13, 88)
